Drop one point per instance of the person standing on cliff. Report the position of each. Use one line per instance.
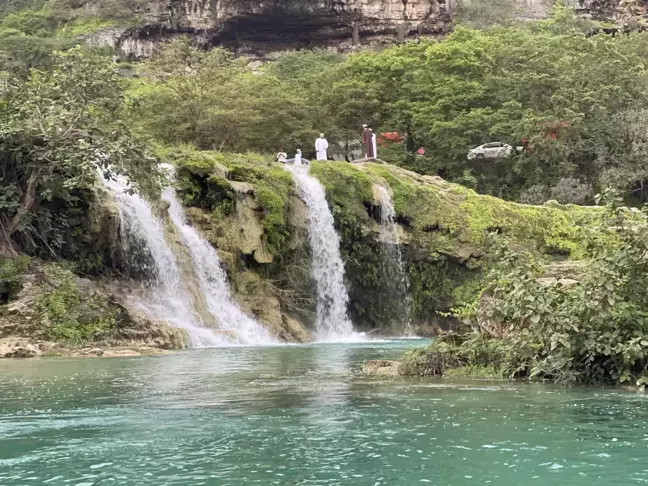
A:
(374, 145)
(298, 157)
(367, 141)
(321, 145)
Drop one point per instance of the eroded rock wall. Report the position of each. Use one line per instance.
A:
(255, 28)
(46, 308)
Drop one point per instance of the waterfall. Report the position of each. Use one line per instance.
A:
(213, 280)
(395, 275)
(148, 253)
(332, 322)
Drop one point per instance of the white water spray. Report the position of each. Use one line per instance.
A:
(165, 298)
(213, 281)
(393, 264)
(332, 322)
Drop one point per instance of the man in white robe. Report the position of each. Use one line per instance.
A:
(321, 145)
(298, 157)
(373, 142)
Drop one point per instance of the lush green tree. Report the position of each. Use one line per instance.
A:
(553, 86)
(214, 101)
(58, 129)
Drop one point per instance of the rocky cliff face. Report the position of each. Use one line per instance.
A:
(256, 28)
(248, 208)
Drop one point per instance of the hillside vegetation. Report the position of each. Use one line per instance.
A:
(546, 290)
(579, 102)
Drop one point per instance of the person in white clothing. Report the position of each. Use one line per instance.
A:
(373, 142)
(321, 145)
(282, 156)
(298, 157)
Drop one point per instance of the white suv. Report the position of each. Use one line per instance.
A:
(493, 150)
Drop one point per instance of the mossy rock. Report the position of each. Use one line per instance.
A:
(53, 304)
(447, 230)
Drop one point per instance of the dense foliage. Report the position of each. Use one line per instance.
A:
(573, 99)
(592, 328)
(548, 84)
(58, 130)
(214, 101)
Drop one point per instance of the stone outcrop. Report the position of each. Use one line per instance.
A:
(18, 348)
(381, 367)
(51, 310)
(255, 28)
(241, 238)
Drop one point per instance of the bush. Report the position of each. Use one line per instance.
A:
(570, 190)
(590, 330)
(67, 314)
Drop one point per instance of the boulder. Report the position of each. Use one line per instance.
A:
(18, 348)
(381, 367)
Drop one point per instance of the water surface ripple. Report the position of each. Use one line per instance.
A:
(301, 415)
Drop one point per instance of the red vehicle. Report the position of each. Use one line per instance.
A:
(389, 137)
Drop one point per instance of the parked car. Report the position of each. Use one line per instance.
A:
(492, 150)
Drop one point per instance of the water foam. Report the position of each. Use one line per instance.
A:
(332, 322)
(213, 281)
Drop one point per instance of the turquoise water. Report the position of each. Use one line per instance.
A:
(300, 415)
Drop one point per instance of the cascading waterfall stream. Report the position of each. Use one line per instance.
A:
(393, 263)
(144, 242)
(332, 322)
(213, 281)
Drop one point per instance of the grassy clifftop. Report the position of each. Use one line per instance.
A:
(248, 208)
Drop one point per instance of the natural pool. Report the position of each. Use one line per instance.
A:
(294, 415)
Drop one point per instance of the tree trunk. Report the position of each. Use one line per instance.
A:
(26, 205)
(6, 246)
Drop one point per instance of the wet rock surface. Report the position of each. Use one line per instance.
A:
(381, 367)
(52, 311)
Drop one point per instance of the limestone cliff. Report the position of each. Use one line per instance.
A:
(252, 214)
(257, 28)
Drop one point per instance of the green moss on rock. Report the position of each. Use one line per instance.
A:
(254, 218)
(247, 206)
(456, 221)
(65, 314)
(51, 303)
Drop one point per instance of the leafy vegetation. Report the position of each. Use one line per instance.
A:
(578, 102)
(65, 315)
(546, 83)
(591, 329)
(569, 96)
(212, 100)
(57, 131)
